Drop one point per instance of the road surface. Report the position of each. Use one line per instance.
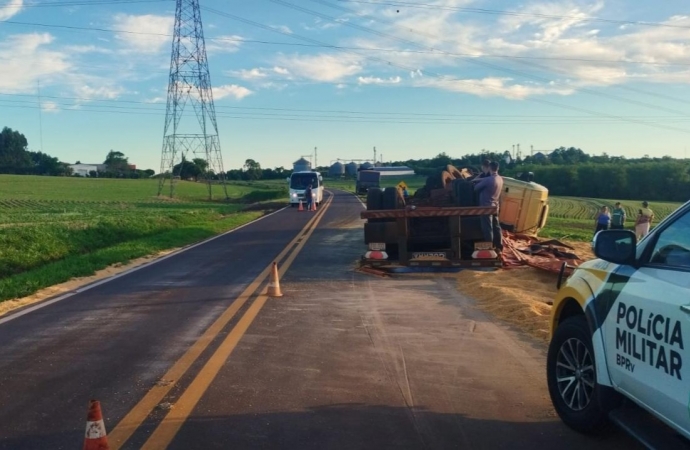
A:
(188, 353)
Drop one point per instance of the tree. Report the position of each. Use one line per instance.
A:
(186, 170)
(252, 170)
(201, 163)
(116, 162)
(14, 158)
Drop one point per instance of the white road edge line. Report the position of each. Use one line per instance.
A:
(43, 304)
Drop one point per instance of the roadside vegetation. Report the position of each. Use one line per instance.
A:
(53, 229)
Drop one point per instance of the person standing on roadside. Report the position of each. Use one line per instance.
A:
(309, 196)
(644, 221)
(618, 217)
(603, 219)
(489, 189)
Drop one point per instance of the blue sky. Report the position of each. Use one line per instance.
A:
(413, 79)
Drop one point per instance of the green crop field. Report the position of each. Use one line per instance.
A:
(53, 229)
(573, 218)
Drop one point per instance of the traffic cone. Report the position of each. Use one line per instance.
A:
(95, 437)
(274, 284)
(301, 208)
(313, 205)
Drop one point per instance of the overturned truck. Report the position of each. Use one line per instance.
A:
(440, 225)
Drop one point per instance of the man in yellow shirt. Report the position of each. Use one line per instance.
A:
(644, 221)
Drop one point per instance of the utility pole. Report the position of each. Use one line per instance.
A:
(40, 113)
(316, 158)
(374, 155)
(190, 85)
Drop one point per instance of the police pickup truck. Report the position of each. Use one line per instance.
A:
(620, 336)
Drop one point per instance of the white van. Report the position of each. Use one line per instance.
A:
(298, 184)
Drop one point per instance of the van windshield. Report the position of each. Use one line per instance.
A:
(302, 180)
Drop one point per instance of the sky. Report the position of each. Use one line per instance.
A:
(411, 78)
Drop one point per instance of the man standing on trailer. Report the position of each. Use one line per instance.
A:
(486, 172)
(489, 189)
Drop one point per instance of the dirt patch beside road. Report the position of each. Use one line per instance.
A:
(520, 296)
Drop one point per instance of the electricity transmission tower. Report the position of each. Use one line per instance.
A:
(190, 85)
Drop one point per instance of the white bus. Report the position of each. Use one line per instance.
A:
(298, 184)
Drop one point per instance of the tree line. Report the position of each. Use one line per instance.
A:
(572, 172)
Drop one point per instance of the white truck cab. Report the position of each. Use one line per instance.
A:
(298, 183)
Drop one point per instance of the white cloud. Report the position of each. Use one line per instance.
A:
(26, 59)
(492, 87)
(283, 28)
(50, 107)
(249, 74)
(86, 90)
(281, 70)
(322, 67)
(159, 28)
(224, 44)
(230, 90)
(10, 9)
(377, 80)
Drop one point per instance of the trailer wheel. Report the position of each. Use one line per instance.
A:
(392, 198)
(463, 191)
(374, 199)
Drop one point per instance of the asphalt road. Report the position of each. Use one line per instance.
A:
(188, 354)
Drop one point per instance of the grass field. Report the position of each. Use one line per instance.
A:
(53, 229)
(573, 218)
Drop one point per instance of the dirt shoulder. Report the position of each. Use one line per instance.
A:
(521, 296)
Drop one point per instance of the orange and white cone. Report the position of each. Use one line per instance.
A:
(95, 437)
(274, 283)
(301, 208)
(313, 205)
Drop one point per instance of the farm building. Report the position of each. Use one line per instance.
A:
(394, 171)
(83, 170)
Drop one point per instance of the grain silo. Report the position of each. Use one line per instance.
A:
(301, 165)
(367, 166)
(351, 169)
(337, 170)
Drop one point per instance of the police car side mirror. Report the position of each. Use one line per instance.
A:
(616, 246)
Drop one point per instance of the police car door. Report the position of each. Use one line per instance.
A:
(648, 328)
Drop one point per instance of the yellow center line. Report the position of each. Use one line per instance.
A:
(173, 421)
(134, 418)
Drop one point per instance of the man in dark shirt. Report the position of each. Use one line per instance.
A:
(489, 190)
(486, 172)
(308, 196)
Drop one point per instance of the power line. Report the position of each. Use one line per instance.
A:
(83, 3)
(75, 102)
(436, 75)
(470, 60)
(337, 119)
(344, 47)
(516, 13)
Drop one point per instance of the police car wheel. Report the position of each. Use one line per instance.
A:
(581, 403)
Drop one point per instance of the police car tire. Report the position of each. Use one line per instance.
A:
(593, 419)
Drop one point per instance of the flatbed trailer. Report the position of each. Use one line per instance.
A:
(393, 227)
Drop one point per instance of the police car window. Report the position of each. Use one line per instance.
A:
(672, 247)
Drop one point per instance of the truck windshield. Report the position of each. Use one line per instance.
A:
(302, 180)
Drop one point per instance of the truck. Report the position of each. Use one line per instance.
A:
(298, 183)
(367, 179)
(439, 225)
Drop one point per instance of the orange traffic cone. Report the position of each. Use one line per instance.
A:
(274, 284)
(313, 205)
(95, 438)
(301, 208)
